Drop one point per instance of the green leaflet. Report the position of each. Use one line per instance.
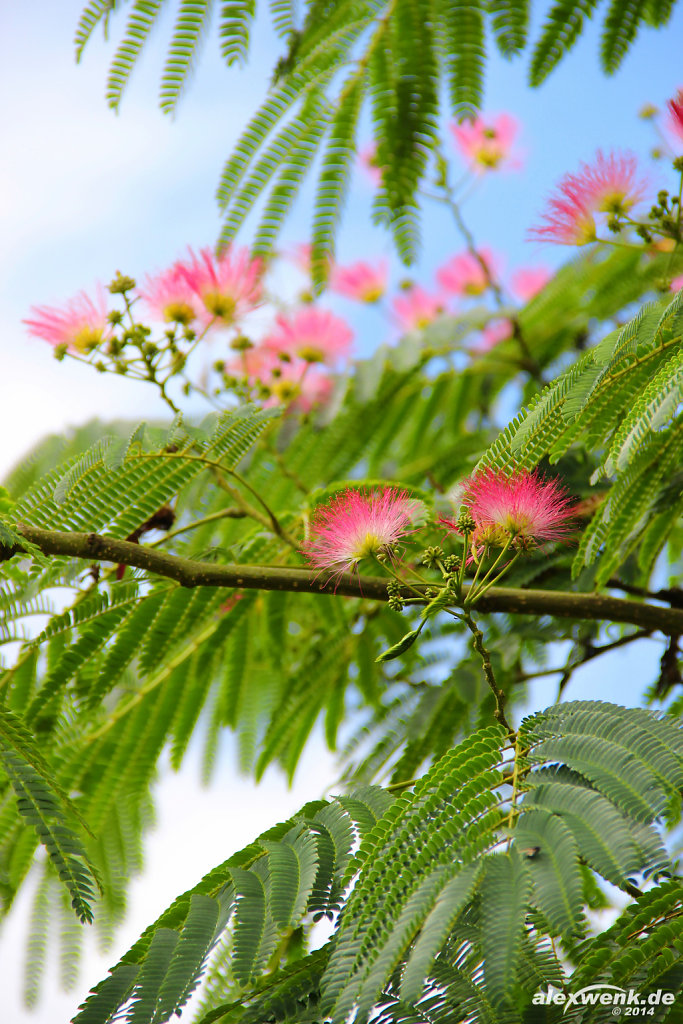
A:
(191, 23)
(141, 19)
(552, 864)
(643, 945)
(265, 888)
(404, 80)
(505, 890)
(562, 28)
(436, 928)
(96, 11)
(619, 30)
(42, 808)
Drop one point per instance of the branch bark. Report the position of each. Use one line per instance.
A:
(191, 573)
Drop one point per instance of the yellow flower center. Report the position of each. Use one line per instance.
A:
(373, 293)
(489, 156)
(311, 354)
(178, 313)
(87, 338)
(369, 545)
(222, 306)
(284, 390)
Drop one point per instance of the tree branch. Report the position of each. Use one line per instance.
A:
(191, 573)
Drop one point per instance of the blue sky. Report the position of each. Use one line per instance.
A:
(84, 192)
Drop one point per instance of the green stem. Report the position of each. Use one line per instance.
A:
(499, 696)
(492, 583)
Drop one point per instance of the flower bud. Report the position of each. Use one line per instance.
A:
(466, 523)
(121, 284)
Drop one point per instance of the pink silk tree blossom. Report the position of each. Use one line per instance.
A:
(364, 282)
(674, 118)
(291, 382)
(415, 308)
(487, 142)
(312, 334)
(529, 281)
(609, 185)
(357, 524)
(464, 274)
(521, 507)
(168, 296)
(612, 183)
(568, 219)
(494, 332)
(229, 286)
(80, 326)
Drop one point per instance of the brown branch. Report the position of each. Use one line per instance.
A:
(192, 573)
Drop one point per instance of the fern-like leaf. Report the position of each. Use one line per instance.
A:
(235, 23)
(510, 19)
(38, 803)
(140, 23)
(96, 11)
(191, 23)
(561, 30)
(621, 24)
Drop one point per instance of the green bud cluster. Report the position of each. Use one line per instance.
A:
(121, 284)
(466, 522)
(432, 556)
(395, 602)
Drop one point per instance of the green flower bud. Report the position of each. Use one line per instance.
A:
(466, 523)
(121, 284)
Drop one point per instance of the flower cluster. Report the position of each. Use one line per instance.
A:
(611, 185)
(487, 142)
(357, 524)
(205, 289)
(519, 510)
(280, 367)
(202, 296)
(79, 327)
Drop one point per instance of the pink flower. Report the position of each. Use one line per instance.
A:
(521, 508)
(415, 308)
(292, 382)
(229, 285)
(169, 296)
(569, 219)
(367, 158)
(529, 281)
(255, 364)
(357, 524)
(312, 334)
(674, 120)
(677, 283)
(494, 332)
(487, 141)
(300, 386)
(300, 255)
(609, 185)
(464, 274)
(361, 281)
(80, 326)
